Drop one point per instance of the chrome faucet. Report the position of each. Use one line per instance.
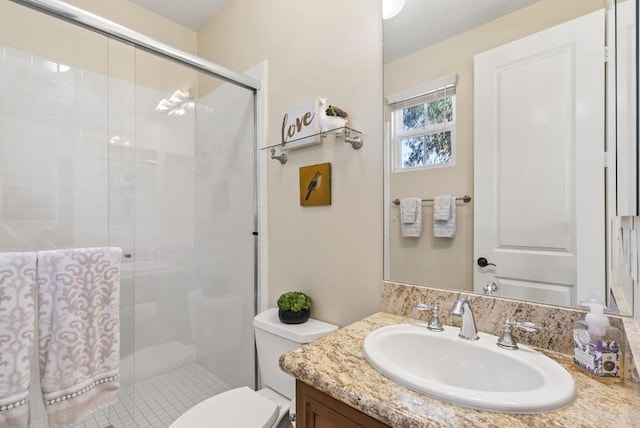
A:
(462, 308)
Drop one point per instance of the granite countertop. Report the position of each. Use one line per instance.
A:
(336, 365)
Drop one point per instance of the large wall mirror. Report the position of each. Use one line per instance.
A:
(518, 105)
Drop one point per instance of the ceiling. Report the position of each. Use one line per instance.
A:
(425, 22)
(192, 14)
(421, 23)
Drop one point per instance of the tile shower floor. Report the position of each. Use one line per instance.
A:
(155, 402)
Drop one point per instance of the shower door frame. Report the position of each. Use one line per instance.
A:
(121, 33)
(110, 29)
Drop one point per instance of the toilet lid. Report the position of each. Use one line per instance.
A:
(240, 407)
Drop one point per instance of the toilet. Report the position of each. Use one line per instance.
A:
(243, 407)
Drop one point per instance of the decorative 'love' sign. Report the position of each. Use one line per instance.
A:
(300, 126)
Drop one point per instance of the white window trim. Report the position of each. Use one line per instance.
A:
(396, 122)
(423, 89)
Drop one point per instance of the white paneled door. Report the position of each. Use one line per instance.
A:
(539, 164)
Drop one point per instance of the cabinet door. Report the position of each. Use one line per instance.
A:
(316, 409)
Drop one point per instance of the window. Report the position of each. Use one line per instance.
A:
(423, 125)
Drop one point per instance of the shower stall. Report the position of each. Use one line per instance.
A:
(108, 138)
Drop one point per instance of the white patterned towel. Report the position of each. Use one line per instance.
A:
(17, 336)
(79, 329)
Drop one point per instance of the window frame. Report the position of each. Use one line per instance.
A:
(397, 134)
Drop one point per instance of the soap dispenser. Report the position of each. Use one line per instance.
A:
(597, 346)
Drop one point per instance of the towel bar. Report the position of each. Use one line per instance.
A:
(466, 199)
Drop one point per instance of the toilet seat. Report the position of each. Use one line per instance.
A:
(229, 409)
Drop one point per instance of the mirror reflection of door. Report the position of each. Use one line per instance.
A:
(622, 125)
(452, 264)
(539, 164)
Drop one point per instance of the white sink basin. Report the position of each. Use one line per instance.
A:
(475, 374)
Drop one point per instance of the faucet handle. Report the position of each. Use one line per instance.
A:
(421, 306)
(507, 341)
(490, 288)
(525, 325)
(435, 324)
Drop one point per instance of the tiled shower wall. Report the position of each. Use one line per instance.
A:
(53, 180)
(71, 176)
(86, 160)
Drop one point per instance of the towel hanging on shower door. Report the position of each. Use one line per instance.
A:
(17, 336)
(79, 331)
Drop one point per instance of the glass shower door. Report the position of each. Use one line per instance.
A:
(193, 301)
(105, 145)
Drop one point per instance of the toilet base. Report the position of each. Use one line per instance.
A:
(281, 401)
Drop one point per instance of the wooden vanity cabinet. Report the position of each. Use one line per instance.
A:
(315, 409)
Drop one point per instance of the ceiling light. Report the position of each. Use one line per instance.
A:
(177, 104)
(164, 105)
(55, 67)
(179, 96)
(391, 8)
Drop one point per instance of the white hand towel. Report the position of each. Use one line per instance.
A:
(446, 228)
(78, 309)
(411, 217)
(408, 208)
(17, 335)
(442, 207)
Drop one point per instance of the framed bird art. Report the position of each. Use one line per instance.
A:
(315, 185)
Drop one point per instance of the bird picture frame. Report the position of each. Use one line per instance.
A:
(315, 185)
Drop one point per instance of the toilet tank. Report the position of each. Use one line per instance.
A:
(274, 338)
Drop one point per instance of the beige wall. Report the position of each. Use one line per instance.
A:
(43, 35)
(150, 70)
(35, 32)
(441, 262)
(326, 48)
(142, 20)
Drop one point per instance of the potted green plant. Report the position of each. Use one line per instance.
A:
(294, 307)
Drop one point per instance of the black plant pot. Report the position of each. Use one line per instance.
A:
(290, 317)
